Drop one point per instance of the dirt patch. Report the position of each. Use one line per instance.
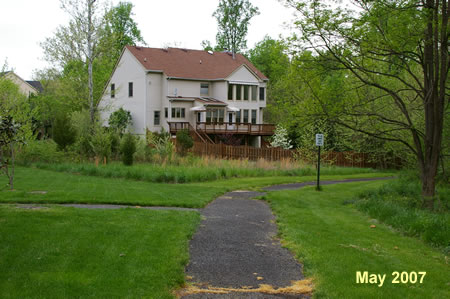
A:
(38, 192)
(300, 287)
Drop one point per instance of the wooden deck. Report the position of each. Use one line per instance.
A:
(226, 128)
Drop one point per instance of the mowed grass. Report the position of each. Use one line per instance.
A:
(57, 252)
(42, 186)
(333, 240)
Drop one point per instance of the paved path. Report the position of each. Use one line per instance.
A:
(236, 246)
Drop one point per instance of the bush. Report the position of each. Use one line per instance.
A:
(81, 122)
(101, 143)
(184, 141)
(128, 148)
(120, 120)
(63, 132)
(39, 151)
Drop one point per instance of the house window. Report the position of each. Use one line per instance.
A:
(113, 90)
(246, 91)
(156, 119)
(254, 91)
(215, 116)
(261, 94)
(245, 116)
(254, 117)
(130, 89)
(199, 117)
(238, 116)
(178, 112)
(204, 89)
(238, 92)
(166, 112)
(230, 91)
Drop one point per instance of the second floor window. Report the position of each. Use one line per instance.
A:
(204, 89)
(246, 89)
(262, 95)
(166, 112)
(113, 90)
(254, 91)
(230, 91)
(130, 89)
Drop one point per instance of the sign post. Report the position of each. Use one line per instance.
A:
(319, 143)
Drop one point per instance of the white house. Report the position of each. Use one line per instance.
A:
(26, 87)
(210, 93)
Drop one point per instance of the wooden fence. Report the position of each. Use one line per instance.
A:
(346, 159)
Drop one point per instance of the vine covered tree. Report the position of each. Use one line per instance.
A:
(395, 55)
(233, 18)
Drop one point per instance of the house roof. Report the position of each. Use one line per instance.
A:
(191, 64)
(37, 85)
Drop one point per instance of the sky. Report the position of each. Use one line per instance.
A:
(24, 24)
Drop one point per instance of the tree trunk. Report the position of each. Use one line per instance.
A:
(90, 61)
(11, 175)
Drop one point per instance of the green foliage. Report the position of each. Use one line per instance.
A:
(119, 120)
(101, 142)
(128, 148)
(44, 151)
(63, 132)
(270, 57)
(15, 125)
(120, 29)
(190, 169)
(399, 204)
(184, 140)
(162, 145)
(233, 18)
(81, 123)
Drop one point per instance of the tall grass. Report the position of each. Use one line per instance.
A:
(192, 169)
(398, 203)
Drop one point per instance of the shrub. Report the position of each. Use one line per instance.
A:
(184, 141)
(101, 143)
(120, 120)
(128, 148)
(40, 151)
(63, 132)
(81, 122)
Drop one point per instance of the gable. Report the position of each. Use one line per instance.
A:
(243, 74)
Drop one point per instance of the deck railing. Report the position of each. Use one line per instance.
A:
(226, 128)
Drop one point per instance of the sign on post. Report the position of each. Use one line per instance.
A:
(319, 139)
(319, 143)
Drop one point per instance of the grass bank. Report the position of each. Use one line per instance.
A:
(398, 203)
(43, 186)
(59, 252)
(198, 170)
(334, 240)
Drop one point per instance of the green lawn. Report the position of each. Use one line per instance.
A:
(334, 241)
(58, 252)
(73, 188)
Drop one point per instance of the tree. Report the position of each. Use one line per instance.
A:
(233, 17)
(270, 57)
(395, 54)
(120, 29)
(85, 51)
(281, 138)
(79, 40)
(184, 140)
(119, 120)
(15, 125)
